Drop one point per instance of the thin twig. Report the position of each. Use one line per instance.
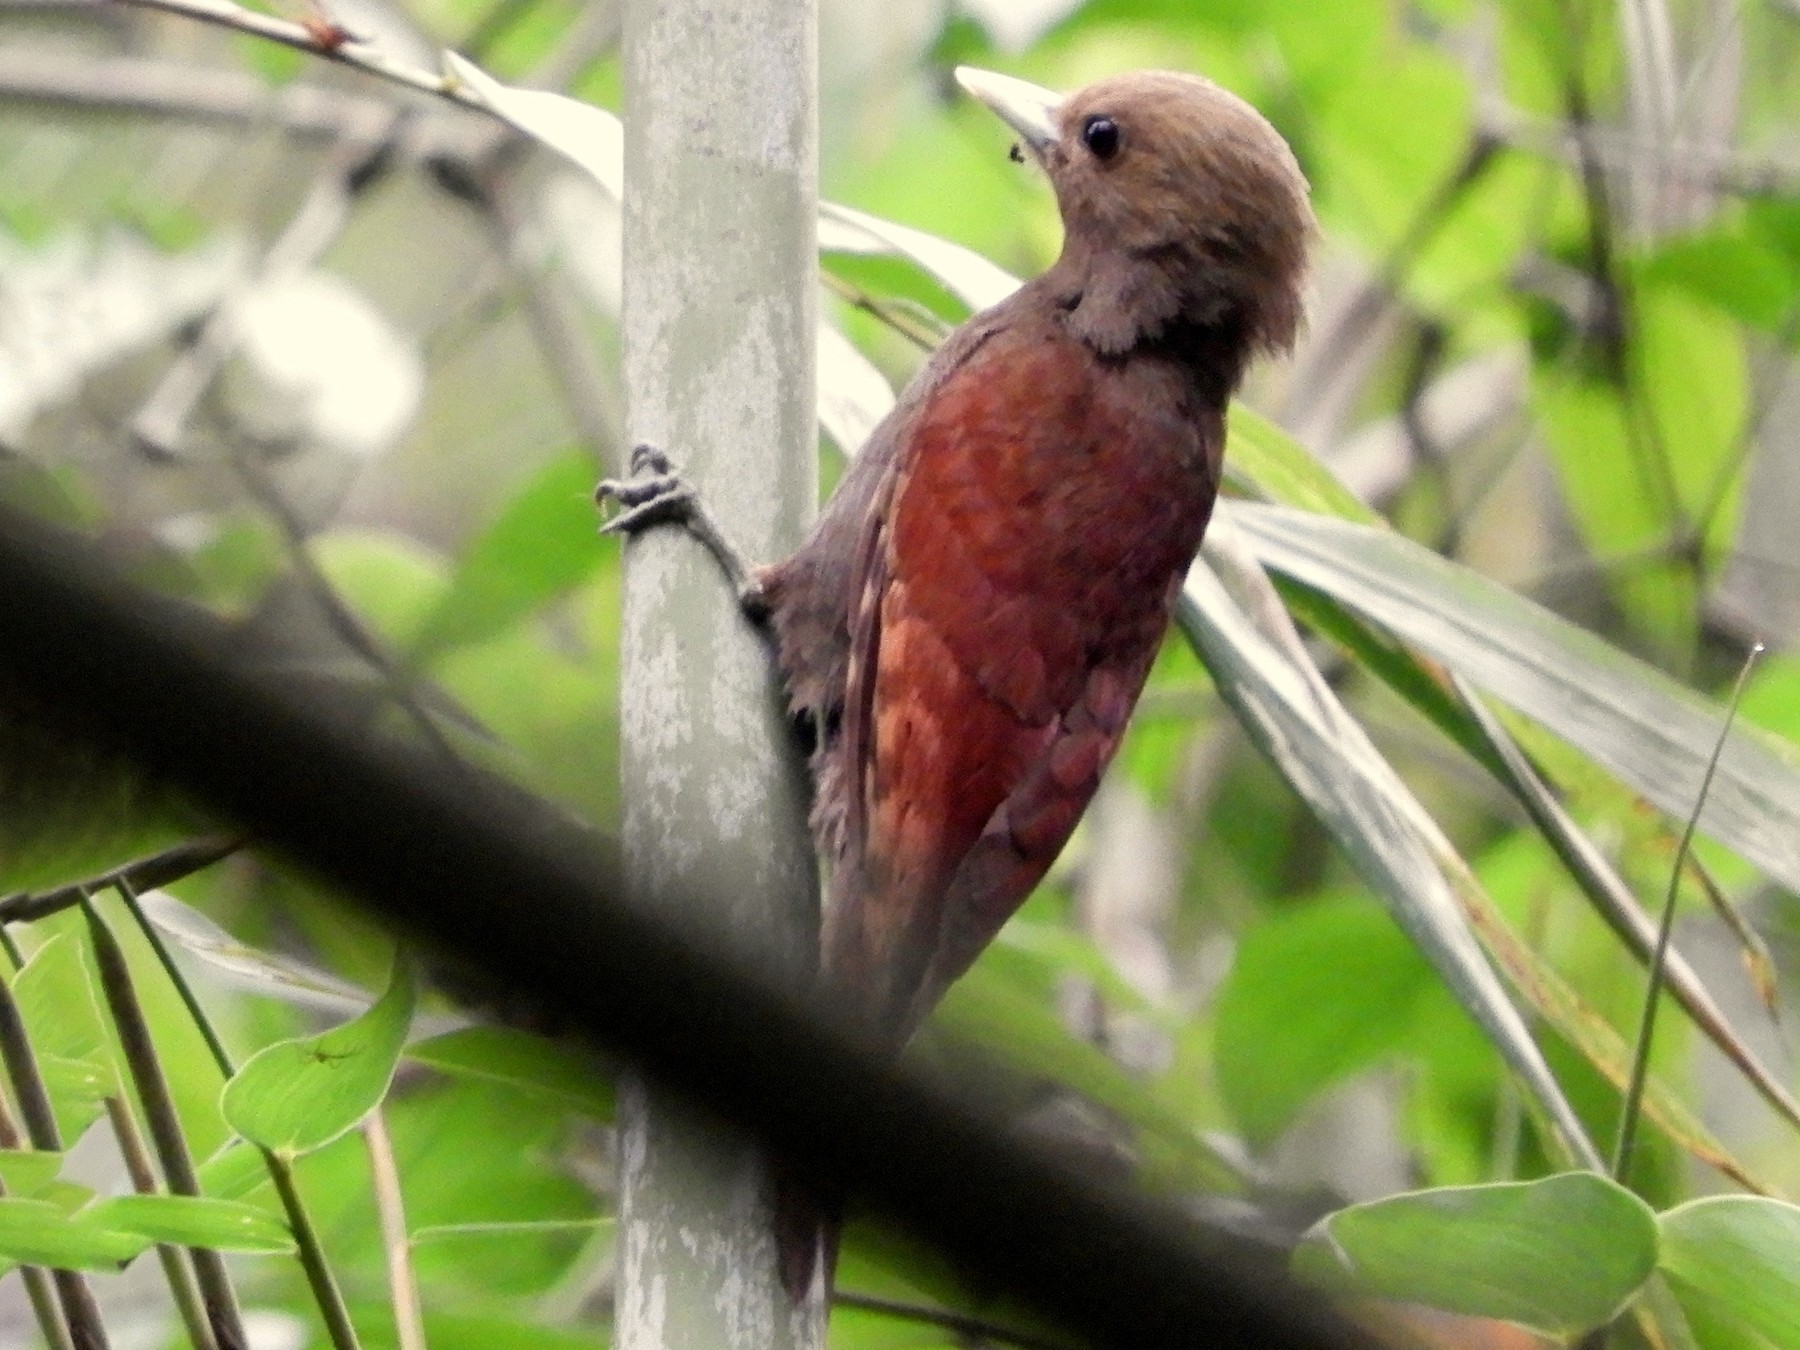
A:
(390, 1209)
(39, 1290)
(319, 1276)
(918, 329)
(1613, 900)
(1640, 1066)
(166, 1132)
(80, 1311)
(350, 52)
(183, 1287)
(142, 874)
(401, 687)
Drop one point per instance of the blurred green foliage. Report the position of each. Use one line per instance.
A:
(1556, 306)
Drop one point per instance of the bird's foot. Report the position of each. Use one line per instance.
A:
(656, 493)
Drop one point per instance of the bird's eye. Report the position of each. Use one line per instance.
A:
(1101, 135)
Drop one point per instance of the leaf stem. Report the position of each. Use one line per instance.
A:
(177, 1270)
(1640, 1067)
(157, 869)
(166, 1133)
(319, 1276)
(80, 1311)
(390, 1208)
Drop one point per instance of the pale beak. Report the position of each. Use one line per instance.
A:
(1023, 106)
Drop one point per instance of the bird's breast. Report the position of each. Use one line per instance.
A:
(1049, 498)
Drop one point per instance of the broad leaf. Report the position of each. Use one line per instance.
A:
(70, 1042)
(1294, 718)
(1313, 996)
(541, 544)
(24, 1171)
(518, 1059)
(1563, 1254)
(269, 973)
(297, 1096)
(1737, 1258)
(591, 137)
(41, 1233)
(191, 1221)
(1635, 722)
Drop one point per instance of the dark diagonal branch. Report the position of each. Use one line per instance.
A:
(502, 881)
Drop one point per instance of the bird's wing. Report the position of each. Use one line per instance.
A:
(1011, 592)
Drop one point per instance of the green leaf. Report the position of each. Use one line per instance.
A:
(40, 1233)
(519, 1259)
(469, 1151)
(1732, 268)
(516, 1058)
(1391, 133)
(1636, 723)
(1271, 460)
(1563, 1254)
(1737, 1259)
(70, 1042)
(1312, 997)
(299, 1095)
(191, 1221)
(78, 1091)
(56, 998)
(234, 1172)
(270, 973)
(1296, 721)
(26, 1170)
(1638, 462)
(542, 544)
(392, 581)
(590, 137)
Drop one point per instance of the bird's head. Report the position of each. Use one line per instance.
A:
(1180, 203)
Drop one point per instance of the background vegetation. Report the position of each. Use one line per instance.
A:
(338, 359)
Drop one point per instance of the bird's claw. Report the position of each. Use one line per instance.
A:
(647, 458)
(655, 494)
(646, 501)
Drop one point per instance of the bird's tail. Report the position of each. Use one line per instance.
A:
(806, 1235)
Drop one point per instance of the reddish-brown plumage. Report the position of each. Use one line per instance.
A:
(973, 617)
